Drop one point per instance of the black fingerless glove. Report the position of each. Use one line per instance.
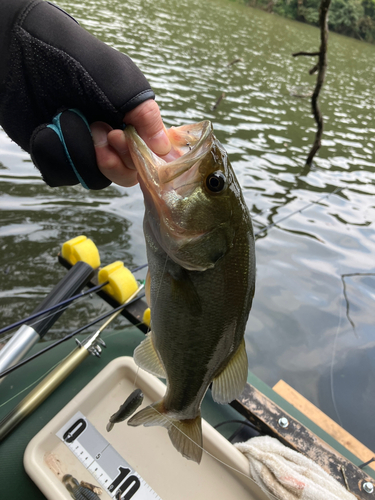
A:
(55, 79)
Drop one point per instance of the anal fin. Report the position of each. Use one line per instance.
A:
(146, 357)
(151, 415)
(229, 384)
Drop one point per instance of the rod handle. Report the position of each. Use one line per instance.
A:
(75, 279)
(42, 390)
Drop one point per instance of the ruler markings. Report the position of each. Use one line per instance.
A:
(99, 457)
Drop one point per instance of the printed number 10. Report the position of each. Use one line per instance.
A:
(127, 485)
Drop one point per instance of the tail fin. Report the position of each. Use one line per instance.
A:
(186, 435)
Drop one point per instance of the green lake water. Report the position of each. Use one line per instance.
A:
(301, 325)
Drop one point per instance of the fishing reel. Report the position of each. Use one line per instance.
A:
(95, 348)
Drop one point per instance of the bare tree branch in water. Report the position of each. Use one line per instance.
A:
(343, 276)
(314, 69)
(321, 67)
(218, 101)
(305, 54)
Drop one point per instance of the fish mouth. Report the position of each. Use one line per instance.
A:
(161, 182)
(154, 172)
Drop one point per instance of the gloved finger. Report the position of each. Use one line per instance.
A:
(147, 121)
(64, 152)
(112, 156)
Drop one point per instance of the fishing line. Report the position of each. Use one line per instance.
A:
(7, 337)
(47, 372)
(213, 456)
(244, 422)
(98, 287)
(51, 313)
(333, 362)
(112, 334)
(254, 215)
(28, 387)
(52, 308)
(62, 303)
(67, 337)
(296, 212)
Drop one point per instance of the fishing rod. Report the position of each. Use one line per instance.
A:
(32, 332)
(139, 268)
(296, 212)
(91, 345)
(76, 332)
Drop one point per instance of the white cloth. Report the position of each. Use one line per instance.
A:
(287, 474)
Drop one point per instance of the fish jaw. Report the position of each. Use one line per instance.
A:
(153, 170)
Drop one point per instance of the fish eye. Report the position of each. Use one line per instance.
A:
(215, 182)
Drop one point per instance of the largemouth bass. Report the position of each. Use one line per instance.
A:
(201, 280)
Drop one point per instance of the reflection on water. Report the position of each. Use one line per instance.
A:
(299, 329)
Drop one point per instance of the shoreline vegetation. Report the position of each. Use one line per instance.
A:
(354, 18)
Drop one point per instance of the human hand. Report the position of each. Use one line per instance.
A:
(112, 153)
(56, 79)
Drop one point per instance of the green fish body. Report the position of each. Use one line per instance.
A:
(200, 250)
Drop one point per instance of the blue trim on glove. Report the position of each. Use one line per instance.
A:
(56, 127)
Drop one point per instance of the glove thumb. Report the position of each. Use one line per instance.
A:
(64, 152)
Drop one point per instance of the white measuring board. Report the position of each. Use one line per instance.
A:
(99, 457)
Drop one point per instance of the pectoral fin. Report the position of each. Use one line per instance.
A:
(146, 357)
(229, 384)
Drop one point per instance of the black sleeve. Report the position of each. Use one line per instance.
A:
(49, 64)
